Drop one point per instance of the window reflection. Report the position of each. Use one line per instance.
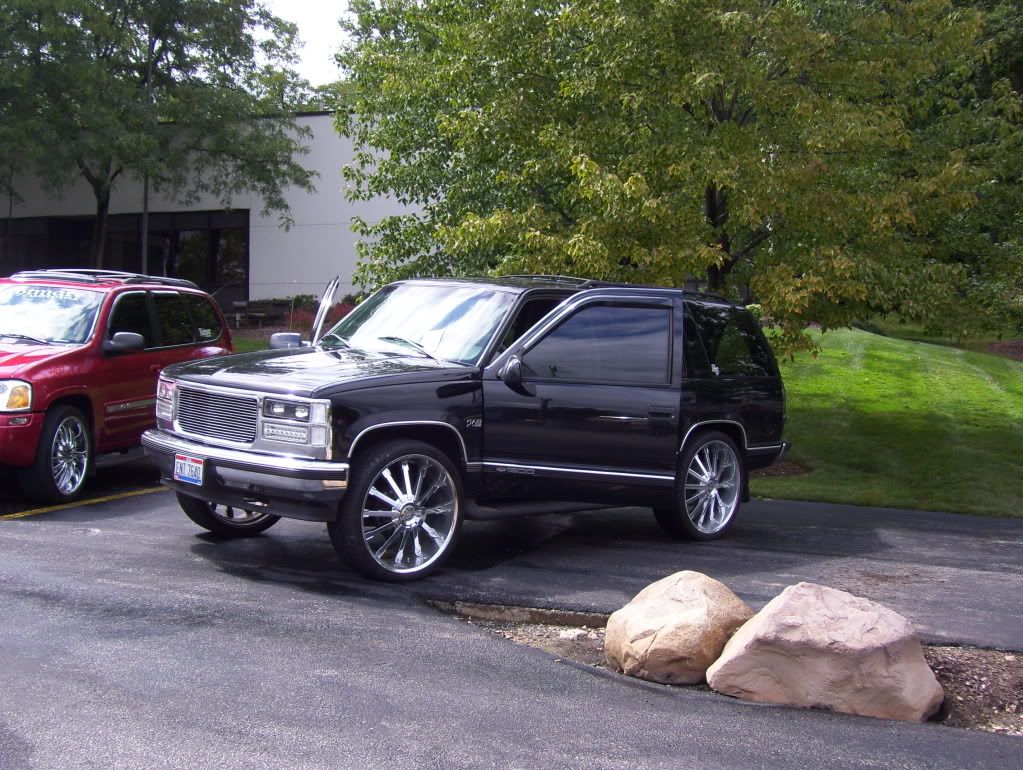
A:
(605, 344)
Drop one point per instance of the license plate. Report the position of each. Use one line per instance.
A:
(188, 469)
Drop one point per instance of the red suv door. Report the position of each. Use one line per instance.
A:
(176, 327)
(127, 397)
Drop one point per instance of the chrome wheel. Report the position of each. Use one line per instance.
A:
(69, 455)
(712, 487)
(409, 514)
(235, 516)
(225, 520)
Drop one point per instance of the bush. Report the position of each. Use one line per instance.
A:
(301, 318)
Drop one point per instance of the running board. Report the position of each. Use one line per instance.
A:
(498, 511)
(111, 459)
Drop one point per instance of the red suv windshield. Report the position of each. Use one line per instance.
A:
(47, 313)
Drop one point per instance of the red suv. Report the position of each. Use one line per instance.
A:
(80, 353)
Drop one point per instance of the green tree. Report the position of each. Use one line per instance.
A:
(160, 89)
(805, 149)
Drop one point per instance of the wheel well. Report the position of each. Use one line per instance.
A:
(735, 433)
(445, 439)
(82, 404)
(730, 429)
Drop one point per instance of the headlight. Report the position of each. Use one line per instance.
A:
(15, 396)
(295, 434)
(165, 389)
(295, 422)
(286, 410)
(165, 399)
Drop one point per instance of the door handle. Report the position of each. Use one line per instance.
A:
(661, 413)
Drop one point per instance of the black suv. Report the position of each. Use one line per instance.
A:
(439, 400)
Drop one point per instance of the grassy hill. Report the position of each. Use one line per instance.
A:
(890, 422)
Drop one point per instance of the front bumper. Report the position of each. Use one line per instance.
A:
(281, 485)
(19, 437)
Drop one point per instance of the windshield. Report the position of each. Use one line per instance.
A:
(47, 313)
(449, 323)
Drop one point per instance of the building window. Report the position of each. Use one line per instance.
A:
(210, 248)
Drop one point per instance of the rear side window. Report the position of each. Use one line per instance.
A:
(733, 342)
(131, 314)
(173, 318)
(606, 344)
(207, 325)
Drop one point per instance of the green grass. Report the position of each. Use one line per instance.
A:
(249, 346)
(917, 333)
(890, 422)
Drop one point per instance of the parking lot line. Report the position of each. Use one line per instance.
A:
(79, 503)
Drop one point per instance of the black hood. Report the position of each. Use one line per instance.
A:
(313, 372)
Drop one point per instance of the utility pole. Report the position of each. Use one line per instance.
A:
(145, 177)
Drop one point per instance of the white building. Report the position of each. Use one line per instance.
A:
(237, 253)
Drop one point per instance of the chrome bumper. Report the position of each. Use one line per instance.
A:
(277, 484)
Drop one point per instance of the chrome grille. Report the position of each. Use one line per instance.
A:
(219, 416)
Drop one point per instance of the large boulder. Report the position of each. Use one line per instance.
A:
(818, 647)
(674, 628)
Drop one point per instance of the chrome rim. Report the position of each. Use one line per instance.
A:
(409, 514)
(69, 455)
(236, 516)
(712, 486)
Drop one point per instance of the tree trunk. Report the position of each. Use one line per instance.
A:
(144, 246)
(10, 224)
(715, 208)
(99, 227)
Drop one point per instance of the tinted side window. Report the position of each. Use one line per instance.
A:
(732, 342)
(207, 325)
(173, 318)
(754, 337)
(696, 356)
(131, 314)
(603, 343)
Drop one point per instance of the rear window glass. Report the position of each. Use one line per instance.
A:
(174, 319)
(733, 342)
(207, 325)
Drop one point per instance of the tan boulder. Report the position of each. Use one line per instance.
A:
(815, 646)
(674, 628)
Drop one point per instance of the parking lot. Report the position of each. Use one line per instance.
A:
(132, 639)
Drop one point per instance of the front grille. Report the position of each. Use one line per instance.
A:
(215, 415)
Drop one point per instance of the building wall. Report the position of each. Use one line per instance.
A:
(282, 262)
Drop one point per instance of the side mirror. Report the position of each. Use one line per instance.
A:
(511, 372)
(511, 375)
(284, 340)
(124, 342)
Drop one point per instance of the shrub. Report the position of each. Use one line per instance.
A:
(301, 318)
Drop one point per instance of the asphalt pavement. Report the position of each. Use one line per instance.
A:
(128, 638)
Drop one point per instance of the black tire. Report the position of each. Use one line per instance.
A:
(223, 520)
(700, 511)
(408, 528)
(63, 457)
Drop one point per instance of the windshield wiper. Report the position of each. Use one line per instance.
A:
(411, 344)
(25, 337)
